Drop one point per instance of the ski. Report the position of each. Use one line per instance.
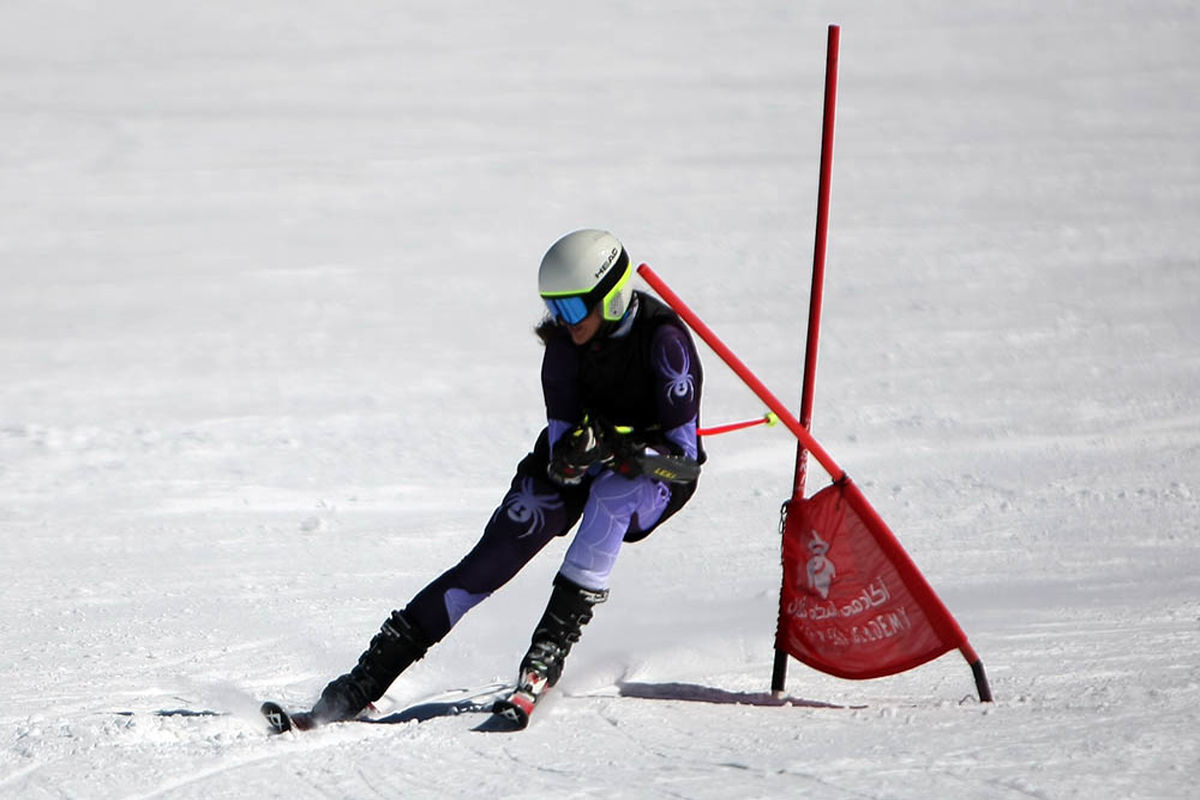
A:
(448, 704)
(512, 713)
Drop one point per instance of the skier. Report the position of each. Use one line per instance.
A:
(621, 381)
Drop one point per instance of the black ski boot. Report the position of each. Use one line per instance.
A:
(397, 645)
(569, 609)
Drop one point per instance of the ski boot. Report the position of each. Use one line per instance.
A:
(396, 647)
(569, 609)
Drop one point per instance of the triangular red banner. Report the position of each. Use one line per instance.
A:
(853, 603)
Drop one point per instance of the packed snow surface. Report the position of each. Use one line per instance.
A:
(267, 364)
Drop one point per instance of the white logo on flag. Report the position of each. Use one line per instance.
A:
(820, 568)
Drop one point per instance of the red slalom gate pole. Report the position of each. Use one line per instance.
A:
(819, 247)
(749, 378)
(820, 241)
(730, 427)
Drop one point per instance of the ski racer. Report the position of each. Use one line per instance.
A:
(622, 382)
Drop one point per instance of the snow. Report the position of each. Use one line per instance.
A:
(265, 339)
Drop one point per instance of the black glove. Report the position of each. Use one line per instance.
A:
(574, 453)
(630, 456)
(625, 453)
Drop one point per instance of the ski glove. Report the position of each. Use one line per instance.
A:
(574, 453)
(598, 442)
(624, 453)
(629, 456)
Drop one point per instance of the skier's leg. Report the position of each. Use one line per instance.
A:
(561, 625)
(681, 493)
(614, 503)
(532, 513)
(397, 645)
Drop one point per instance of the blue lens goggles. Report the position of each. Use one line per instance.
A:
(571, 310)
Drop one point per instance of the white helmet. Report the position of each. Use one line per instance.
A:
(583, 269)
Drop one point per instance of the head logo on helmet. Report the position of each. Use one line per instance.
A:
(612, 256)
(585, 269)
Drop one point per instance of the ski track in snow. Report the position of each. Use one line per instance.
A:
(265, 339)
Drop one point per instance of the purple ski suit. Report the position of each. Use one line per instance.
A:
(642, 372)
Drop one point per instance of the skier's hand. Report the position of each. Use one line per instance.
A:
(624, 451)
(575, 453)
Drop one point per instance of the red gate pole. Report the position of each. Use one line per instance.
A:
(742, 371)
(779, 672)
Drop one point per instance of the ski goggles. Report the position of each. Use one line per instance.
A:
(571, 308)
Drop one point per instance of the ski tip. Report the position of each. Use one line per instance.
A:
(282, 721)
(278, 720)
(507, 717)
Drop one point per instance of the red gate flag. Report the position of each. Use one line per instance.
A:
(925, 600)
(854, 605)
